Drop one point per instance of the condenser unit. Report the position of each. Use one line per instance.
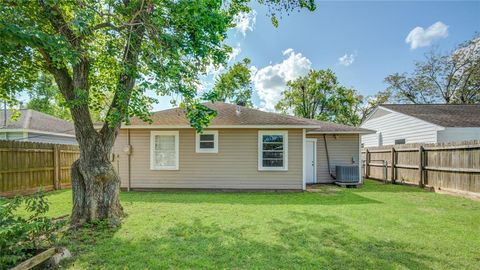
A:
(347, 174)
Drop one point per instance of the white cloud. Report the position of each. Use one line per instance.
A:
(235, 52)
(245, 21)
(420, 37)
(270, 81)
(346, 59)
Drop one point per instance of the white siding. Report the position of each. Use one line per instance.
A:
(458, 134)
(395, 126)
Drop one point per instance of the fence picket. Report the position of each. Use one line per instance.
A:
(27, 166)
(452, 166)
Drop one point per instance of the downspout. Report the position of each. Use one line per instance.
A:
(129, 158)
(328, 157)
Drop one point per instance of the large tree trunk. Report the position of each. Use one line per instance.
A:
(95, 186)
(95, 183)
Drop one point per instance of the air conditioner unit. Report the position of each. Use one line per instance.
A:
(347, 173)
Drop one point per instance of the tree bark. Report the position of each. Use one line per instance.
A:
(95, 187)
(95, 182)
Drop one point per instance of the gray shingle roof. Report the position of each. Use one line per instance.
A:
(228, 115)
(34, 120)
(445, 115)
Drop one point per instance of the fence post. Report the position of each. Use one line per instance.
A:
(392, 172)
(367, 163)
(56, 167)
(385, 171)
(420, 166)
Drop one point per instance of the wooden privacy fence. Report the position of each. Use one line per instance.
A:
(448, 166)
(27, 166)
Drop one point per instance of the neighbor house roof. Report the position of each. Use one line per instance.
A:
(230, 116)
(34, 121)
(445, 115)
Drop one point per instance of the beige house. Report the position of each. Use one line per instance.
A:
(243, 148)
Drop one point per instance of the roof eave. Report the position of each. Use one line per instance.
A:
(214, 126)
(342, 132)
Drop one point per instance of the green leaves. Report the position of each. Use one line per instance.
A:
(21, 236)
(199, 115)
(106, 55)
(234, 85)
(319, 96)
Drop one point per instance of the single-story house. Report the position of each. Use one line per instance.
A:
(425, 123)
(242, 148)
(34, 126)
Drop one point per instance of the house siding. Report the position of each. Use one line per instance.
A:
(458, 134)
(48, 138)
(395, 126)
(342, 150)
(235, 166)
(13, 135)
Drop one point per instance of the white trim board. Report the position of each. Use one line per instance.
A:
(314, 140)
(213, 150)
(284, 133)
(340, 132)
(152, 147)
(216, 126)
(304, 157)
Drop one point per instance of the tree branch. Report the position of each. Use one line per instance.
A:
(54, 15)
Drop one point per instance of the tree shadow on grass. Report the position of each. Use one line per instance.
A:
(253, 198)
(291, 245)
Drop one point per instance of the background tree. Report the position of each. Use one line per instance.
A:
(235, 85)
(45, 97)
(441, 78)
(371, 102)
(114, 51)
(319, 96)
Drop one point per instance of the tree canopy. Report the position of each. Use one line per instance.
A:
(45, 97)
(452, 77)
(318, 95)
(235, 85)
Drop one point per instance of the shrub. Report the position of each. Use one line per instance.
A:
(22, 235)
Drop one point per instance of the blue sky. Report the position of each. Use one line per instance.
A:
(371, 35)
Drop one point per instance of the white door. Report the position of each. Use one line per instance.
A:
(310, 161)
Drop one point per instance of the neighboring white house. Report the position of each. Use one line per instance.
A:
(426, 123)
(33, 126)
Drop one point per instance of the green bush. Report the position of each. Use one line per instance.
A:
(22, 235)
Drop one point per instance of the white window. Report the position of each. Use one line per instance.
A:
(207, 142)
(164, 150)
(273, 150)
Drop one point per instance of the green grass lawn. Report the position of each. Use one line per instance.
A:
(376, 227)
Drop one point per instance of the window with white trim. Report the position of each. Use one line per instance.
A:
(273, 150)
(164, 150)
(207, 142)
